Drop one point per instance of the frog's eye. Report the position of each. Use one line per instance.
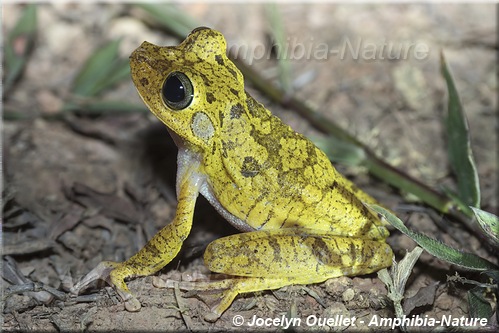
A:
(177, 91)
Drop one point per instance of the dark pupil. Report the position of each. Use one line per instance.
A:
(174, 90)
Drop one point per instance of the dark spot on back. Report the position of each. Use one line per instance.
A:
(234, 91)
(210, 98)
(206, 80)
(322, 253)
(233, 72)
(236, 111)
(144, 81)
(214, 149)
(219, 59)
(250, 167)
(276, 249)
(333, 185)
(227, 145)
(221, 117)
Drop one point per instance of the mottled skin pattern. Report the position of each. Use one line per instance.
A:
(303, 221)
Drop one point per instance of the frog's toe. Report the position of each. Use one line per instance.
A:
(110, 272)
(101, 272)
(211, 317)
(218, 307)
(132, 304)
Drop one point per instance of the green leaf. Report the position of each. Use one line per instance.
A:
(457, 201)
(98, 107)
(494, 275)
(489, 223)
(19, 45)
(436, 248)
(459, 148)
(170, 17)
(479, 306)
(120, 70)
(102, 70)
(279, 37)
(341, 151)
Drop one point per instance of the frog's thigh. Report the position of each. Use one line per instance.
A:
(294, 256)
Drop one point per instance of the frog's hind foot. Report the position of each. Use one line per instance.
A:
(107, 272)
(217, 294)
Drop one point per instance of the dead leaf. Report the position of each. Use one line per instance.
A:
(109, 205)
(67, 222)
(424, 296)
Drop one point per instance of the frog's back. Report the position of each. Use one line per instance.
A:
(272, 177)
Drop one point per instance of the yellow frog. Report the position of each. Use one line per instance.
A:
(302, 221)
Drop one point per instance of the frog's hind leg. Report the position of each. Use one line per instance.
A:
(271, 259)
(300, 253)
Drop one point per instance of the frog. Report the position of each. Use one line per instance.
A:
(301, 221)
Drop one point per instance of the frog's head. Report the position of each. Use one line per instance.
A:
(189, 87)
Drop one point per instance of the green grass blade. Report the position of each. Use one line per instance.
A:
(457, 201)
(279, 37)
(479, 306)
(436, 248)
(459, 148)
(98, 70)
(341, 151)
(170, 17)
(489, 223)
(120, 70)
(19, 45)
(100, 107)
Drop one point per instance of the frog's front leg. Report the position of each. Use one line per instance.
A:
(159, 251)
(273, 259)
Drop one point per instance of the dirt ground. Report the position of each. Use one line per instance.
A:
(82, 189)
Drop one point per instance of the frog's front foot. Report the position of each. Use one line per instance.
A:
(114, 274)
